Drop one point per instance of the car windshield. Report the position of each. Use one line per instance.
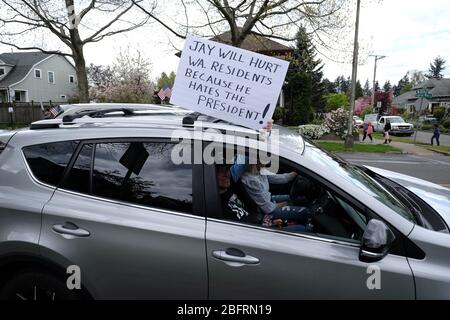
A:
(358, 177)
(396, 120)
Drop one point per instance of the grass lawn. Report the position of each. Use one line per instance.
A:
(372, 148)
(437, 148)
(6, 126)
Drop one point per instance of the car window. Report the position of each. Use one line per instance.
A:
(48, 161)
(305, 205)
(142, 173)
(78, 178)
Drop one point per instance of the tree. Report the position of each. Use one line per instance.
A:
(387, 86)
(417, 77)
(329, 87)
(336, 101)
(305, 60)
(404, 85)
(436, 68)
(386, 100)
(299, 93)
(64, 22)
(359, 90)
(343, 85)
(130, 83)
(367, 91)
(266, 18)
(377, 86)
(165, 79)
(100, 76)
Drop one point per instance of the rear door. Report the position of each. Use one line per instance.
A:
(129, 218)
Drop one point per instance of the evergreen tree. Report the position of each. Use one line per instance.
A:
(387, 86)
(329, 87)
(307, 97)
(359, 90)
(377, 86)
(367, 91)
(404, 85)
(436, 68)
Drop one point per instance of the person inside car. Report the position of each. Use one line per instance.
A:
(256, 182)
(234, 209)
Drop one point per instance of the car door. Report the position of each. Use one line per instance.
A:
(251, 262)
(129, 219)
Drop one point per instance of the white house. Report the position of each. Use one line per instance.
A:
(36, 76)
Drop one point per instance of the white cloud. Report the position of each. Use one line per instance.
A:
(411, 33)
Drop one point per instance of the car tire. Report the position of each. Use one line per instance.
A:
(37, 285)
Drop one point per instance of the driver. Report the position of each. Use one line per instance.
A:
(256, 181)
(234, 209)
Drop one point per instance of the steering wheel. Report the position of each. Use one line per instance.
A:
(305, 187)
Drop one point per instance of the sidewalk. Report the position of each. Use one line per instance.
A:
(407, 148)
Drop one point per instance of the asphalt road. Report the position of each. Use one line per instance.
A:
(425, 137)
(434, 168)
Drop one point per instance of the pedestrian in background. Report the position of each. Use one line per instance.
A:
(387, 130)
(368, 130)
(436, 134)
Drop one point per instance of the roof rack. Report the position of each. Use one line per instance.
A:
(191, 118)
(97, 114)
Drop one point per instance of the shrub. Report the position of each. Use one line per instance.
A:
(313, 132)
(446, 124)
(439, 113)
(426, 127)
(337, 123)
(367, 110)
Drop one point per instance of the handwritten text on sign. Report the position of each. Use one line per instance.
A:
(228, 83)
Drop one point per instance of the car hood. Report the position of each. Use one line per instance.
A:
(438, 197)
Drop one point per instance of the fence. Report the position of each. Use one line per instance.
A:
(23, 112)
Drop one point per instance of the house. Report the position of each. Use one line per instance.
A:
(259, 44)
(256, 43)
(36, 76)
(439, 89)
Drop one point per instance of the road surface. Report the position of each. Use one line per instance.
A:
(434, 168)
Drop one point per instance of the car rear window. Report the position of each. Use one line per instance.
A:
(48, 161)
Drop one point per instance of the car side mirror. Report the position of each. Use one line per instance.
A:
(376, 241)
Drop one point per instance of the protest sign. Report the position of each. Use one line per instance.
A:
(228, 83)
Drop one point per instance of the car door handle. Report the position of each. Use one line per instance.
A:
(235, 255)
(71, 229)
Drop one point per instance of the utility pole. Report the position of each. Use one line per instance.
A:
(377, 57)
(349, 137)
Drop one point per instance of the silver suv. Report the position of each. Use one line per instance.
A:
(93, 205)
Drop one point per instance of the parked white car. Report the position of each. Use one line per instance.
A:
(398, 125)
(357, 122)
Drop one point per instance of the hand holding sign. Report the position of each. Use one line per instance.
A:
(228, 83)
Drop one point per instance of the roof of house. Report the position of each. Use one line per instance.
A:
(22, 62)
(255, 43)
(439, 88)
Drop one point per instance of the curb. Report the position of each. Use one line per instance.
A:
(441, 152)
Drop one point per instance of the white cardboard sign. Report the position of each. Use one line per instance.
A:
(228, 83)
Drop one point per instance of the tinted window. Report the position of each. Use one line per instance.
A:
(78, 179)
(48, 161)
(142, 173)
